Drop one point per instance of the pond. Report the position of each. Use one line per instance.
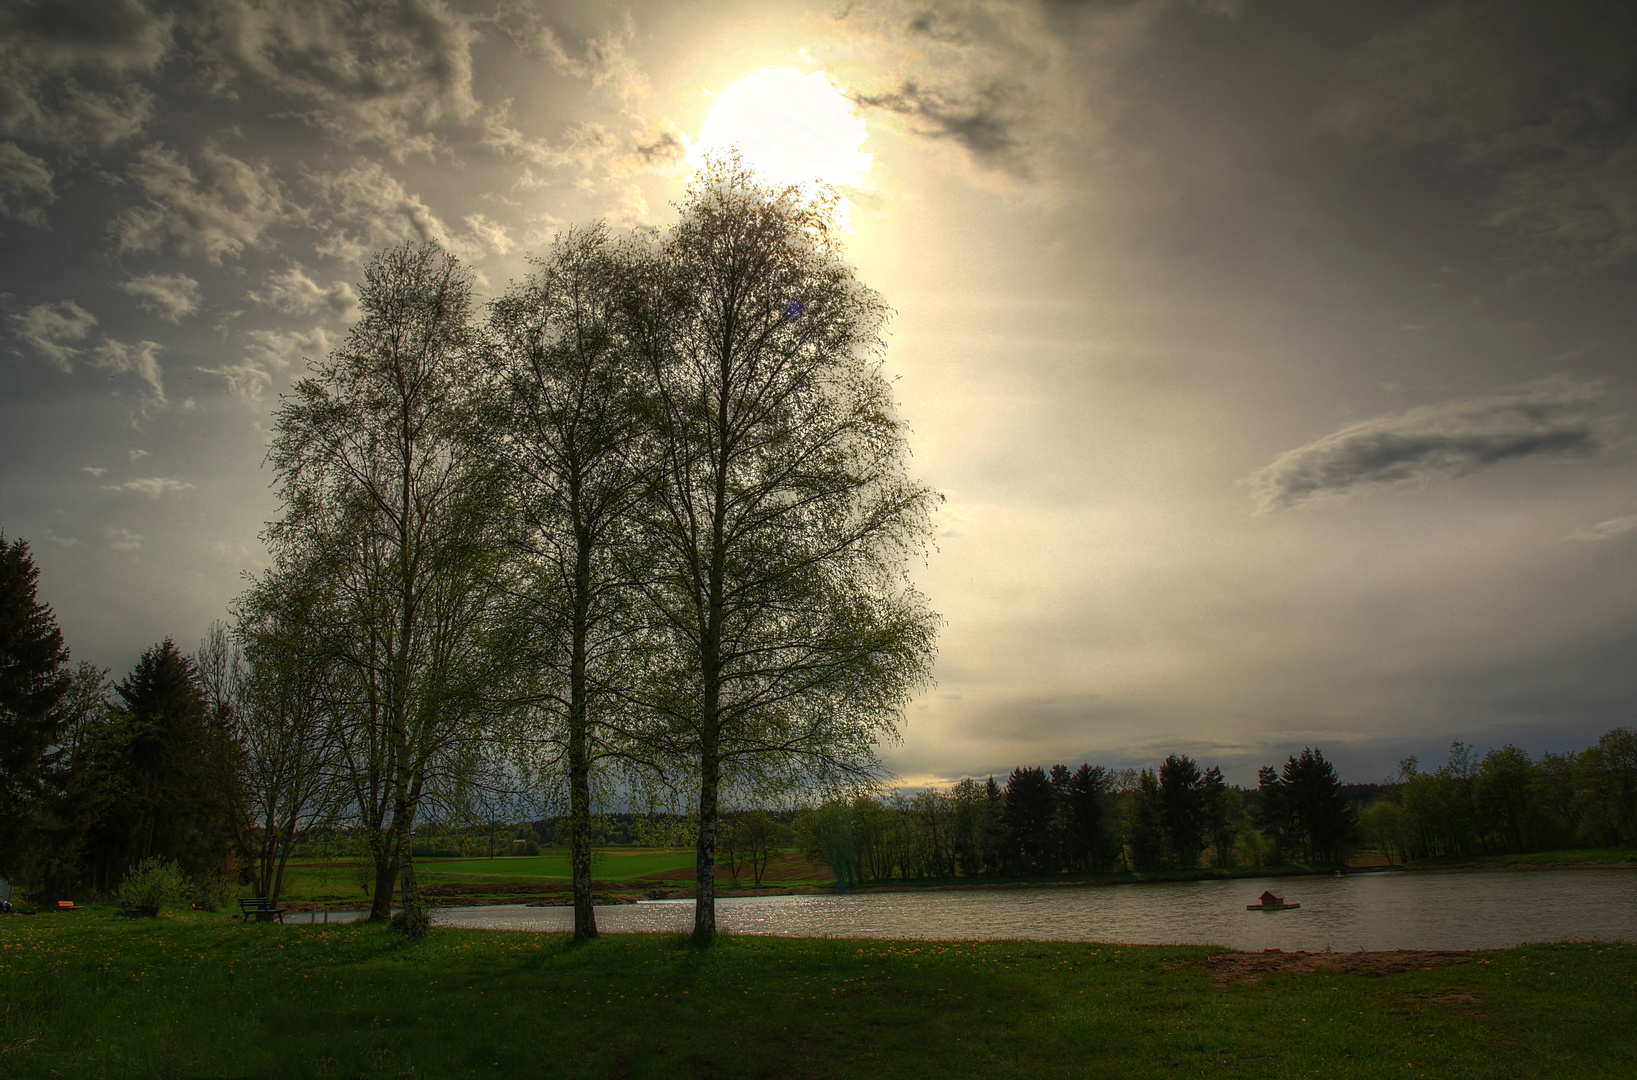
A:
(1478, 909)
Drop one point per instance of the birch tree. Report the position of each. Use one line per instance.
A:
(386, 494)
(782, 513)
(288, 709)
(569, 431)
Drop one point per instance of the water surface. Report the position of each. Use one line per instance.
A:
(1478, 909)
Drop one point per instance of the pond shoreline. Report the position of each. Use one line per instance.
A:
(610, 893)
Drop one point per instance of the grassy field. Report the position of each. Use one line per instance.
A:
(310, 880)
(93, 994)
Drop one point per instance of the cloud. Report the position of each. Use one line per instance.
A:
(119, 36)
(371, 209)
(1535, 96)
(68, 71)
(269, 351)
(95, 470)
(54, 330)
(1011, 84)
(124, 540)
(170, 296)
(152, 486)
(977, 121)
(25, 186)
(227, 207)
(245, 381)
(140, 358)
(295, 292)
(372, 72)
(1605, 530)
(600, 59)
(1552, 416)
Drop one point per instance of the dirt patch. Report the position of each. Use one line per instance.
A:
(1247, 969)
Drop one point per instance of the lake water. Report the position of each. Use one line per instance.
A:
(1479, 909)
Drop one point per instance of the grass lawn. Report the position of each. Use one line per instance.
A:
(92, 994)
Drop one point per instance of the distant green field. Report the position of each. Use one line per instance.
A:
(620, 865)
(310, 879)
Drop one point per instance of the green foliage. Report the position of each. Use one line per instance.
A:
(828, 835)
(154, 884)
(1508, 804)
(213, 892)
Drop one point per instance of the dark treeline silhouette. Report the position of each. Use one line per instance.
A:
(98, 776)
(1086, 820)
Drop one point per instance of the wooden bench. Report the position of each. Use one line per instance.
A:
(66, 905)
(261, 907)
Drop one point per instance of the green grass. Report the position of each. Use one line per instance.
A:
(312, 879)
(93, 994)
(1577, 857)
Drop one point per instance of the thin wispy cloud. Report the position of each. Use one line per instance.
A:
(25, 186)
(54, 330)
(151, 486)
(293, 291)
(1605, 530)
(1558, 416)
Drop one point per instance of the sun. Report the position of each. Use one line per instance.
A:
(790, 127)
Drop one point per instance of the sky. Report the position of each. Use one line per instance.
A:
(1275, 359)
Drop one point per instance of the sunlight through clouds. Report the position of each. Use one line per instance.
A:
(791, 128)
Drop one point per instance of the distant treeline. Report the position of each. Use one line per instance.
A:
(1509, 803)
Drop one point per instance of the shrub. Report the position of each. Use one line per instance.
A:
(530, 847)
(154, 884)
(212, 892)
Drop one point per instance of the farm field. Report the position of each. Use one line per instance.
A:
(93, 994)
(313, 880)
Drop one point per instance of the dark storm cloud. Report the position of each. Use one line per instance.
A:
(1552, 416)
(66, 70)
(1539, 96)
(377, 73)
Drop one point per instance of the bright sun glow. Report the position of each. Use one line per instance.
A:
(791, 128)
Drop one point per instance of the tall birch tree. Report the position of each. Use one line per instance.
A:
(569, 427)
(782, 513)
(386, 494)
